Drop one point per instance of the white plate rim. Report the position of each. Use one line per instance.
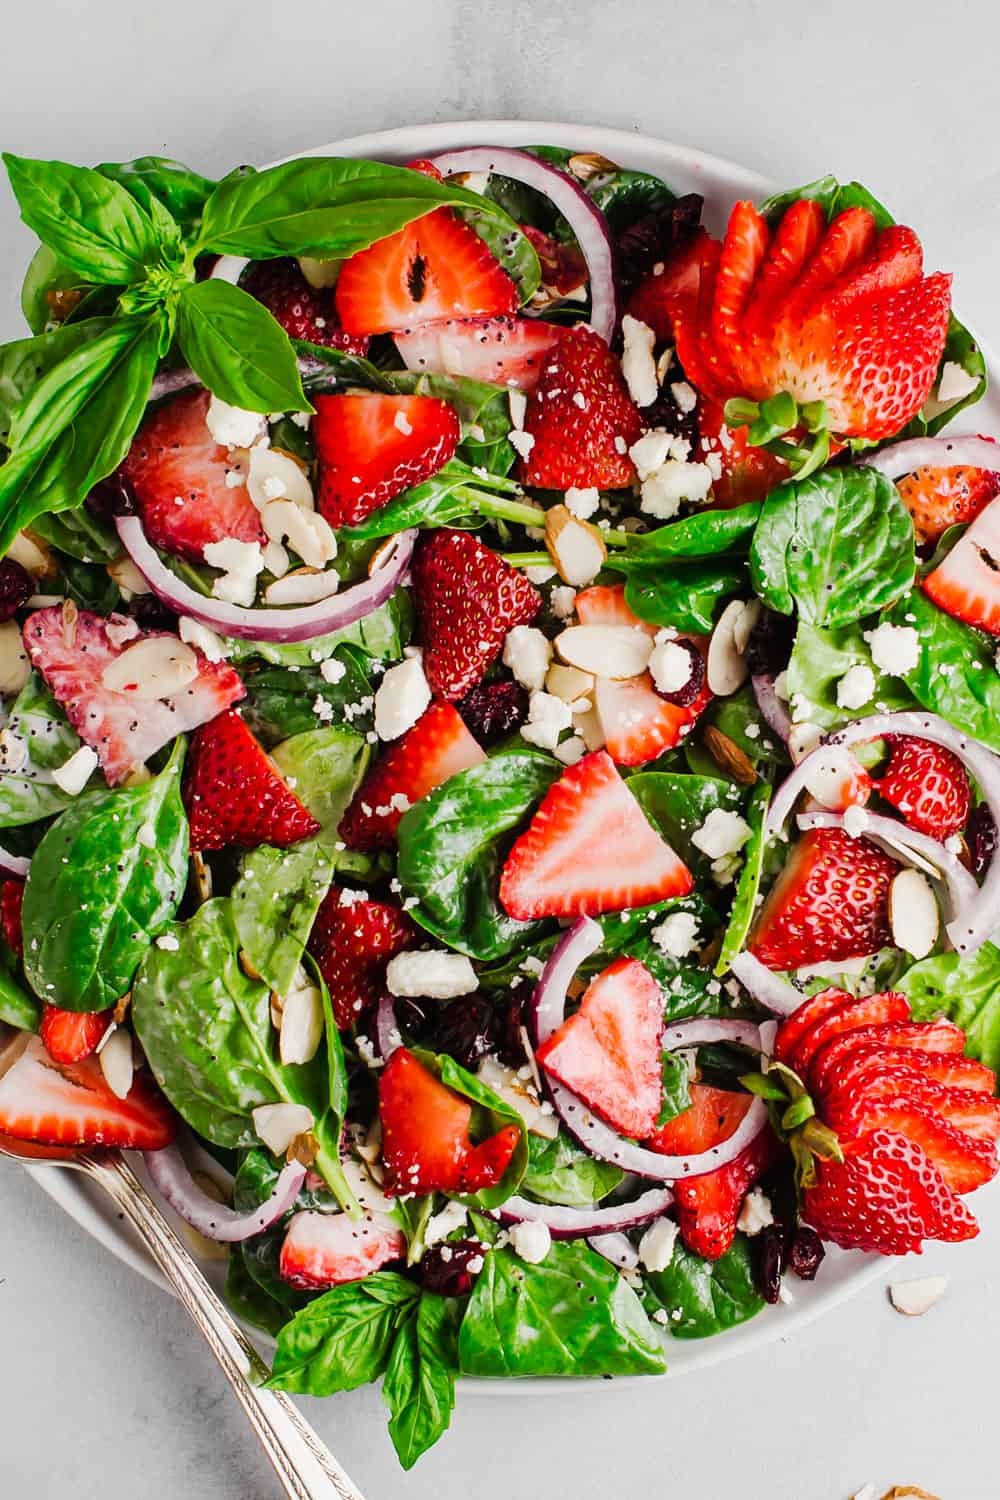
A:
(721, 181)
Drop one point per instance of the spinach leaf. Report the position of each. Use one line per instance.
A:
(249, 1301)
(261, 1255)
(836, 546)
(956, 674)
(380, 635)
(676, 1097)
(455, 493)
(819, 660)
(344, 1338)
(449, 851)
(624, 196)
(17, 1007)
(961, 349)
(327, 369)
(325, 767)
(81, 535)
(966, 990)
(684, 595)
(281, 701)
(744, 901)
(572, 1314)
(90, 222)
(237, 349)
(677, 805)
(28, 793)
(560, 1171)
(323, 206)
(419, 1385)
(709, 1295)
(705, 533)
(169, 183)
(106, 878)
(832, 196)
(741, 720)
(25, 361)
(509, 245)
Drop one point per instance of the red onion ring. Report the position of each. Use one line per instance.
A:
(15, 865)
(577, 208)
(301, 623)
(914, 848)
(702, 1029)
(169, 1174)
(767, 988)
(564, 1223)
(773, 711)
(617, 1248)
(386, 1029)
(938, 453)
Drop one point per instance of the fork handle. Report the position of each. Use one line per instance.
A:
(306, 1468)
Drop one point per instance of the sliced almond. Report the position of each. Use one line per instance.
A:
(745, 623)
(15, 668)
(277, 1125)
(307, 532)
(202, 873)
(301, 1021)
(802, 738)
(726, 668)
(505, 1082)
(303, 1149)
(276, 475)
(914, 1298)
(124, 572)
(34, 555)
(381, 555)
(588, 164)
(116, 1062)
(568, 683)
(576, 547)
(121, 1008)
(302, 586)
(70, 615)
(319, 273)
(728, 756)
(154, 668)
(614, 651)
(913, 913)
(587, 724)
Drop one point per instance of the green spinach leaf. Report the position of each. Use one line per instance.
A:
(560, 1171)
(17, 1007)
(237, 349)
(29, 793)
(677, 805)
(966, 989)
(249, 1301)
(820, 659)
(344, 1338)
(709, 1295)
(676, 1097)
(281, 701)
(956, 673)
(380, 635)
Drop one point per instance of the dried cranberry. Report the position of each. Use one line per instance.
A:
(414, 1017)
(682, 696)
(654, 238)
(665, 412)
(981, 835)
(16, 587)
(445, 1268)
(112, 497)
(770, 644)
(512, 1014)
(465, 1029)
(493, 710)
(770, 1256)
(805, 1253)
(148, 613)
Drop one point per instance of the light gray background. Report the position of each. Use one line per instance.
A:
(104, 1390)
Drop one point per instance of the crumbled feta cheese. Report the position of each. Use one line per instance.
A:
(232, 426)
(955, 384)
(401, 698)
(661, 1316)
(582, 503)
(168, 942)
(562, 601)
(677, 935)
(755, 1214)
(662, 493)
(651, 451)
(521, 442)
(431, 972)
(542, 573)
(212, 647)
(528, 653)
(856, 687)
(638, 364)
(656, 1248)
(855, 820)
(895, 648)
(241, 564)
(670, 666)
(571, 750)
(548, 716)
(723, 833)
(332, 670)
(72, 776)
(439, 1226)
(530, 1240)
(322, 708)
(685, 396)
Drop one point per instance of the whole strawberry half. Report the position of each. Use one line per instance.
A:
(928, 784)
(352, 940)
(234, 795)
(304, 312)
(467, 599)
(372, 447)
(581, 418)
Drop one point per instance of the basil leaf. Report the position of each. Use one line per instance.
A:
(449, 852)
(820, 659)
(956, 673)
(29, 793)
(25, 361)
(709, 1295)
(325, 206)
(344, 1338)
(90, 222)
(966, 990)
(97, 893)
(836, 546)
(676, 1097)
(156, 180)
(572, 1314)
(744, 901)
(560, 1171)
(250, 1302)
(237, 349)
(419, 1385)
(677, 805)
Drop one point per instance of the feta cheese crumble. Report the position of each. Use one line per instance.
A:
(401, 697)
(895, 648)
(638, 364)
(656, 1248)
(231, 426)
(677, 935)
(756, 1213)
(856, 687)
(548, 716)
(722, 834)
(528, 654)
(72, 776)
(530, 1240)
(582, 503)
(432, 973)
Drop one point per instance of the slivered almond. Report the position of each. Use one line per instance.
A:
(34, 555)
(15, 669)
(154, 668)
(913, 913)
(745, 623)
(302, 586)
(124, 572)
(202, 874)
(587, 724)
(568, 683)
(728, 756)
(278, 1125)
(70, 615)
(726, 668)
(249, 969)
(116, 1062)
(301, 1021)
(277, 475)
(576, 548)
(588, 164)
(304, 1149)
(615, 651)
(121, 1008)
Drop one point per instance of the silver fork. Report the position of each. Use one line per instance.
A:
(304, 1465)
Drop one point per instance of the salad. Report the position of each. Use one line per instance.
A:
(499, 770)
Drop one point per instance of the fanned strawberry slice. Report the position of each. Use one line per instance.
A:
(72, 1035)
(954, 496)
(580, 418)
(830, 902)
(321, 1250)
(467, 599)
(865, 1010)
(967, 583)
(588, 849)
(73, 1106)
(426, 1146)
(934, 1036)
(608, 1053)
(928, 784)
(895, 260)
(73, 650)
(873, 1068)
(352, 940)
(964, 1161)
(304, 311)
(501, 351)
(743, 253)
(708, 1205)
(436, 748)
(234, 794)
(792, 1030)
(793, 244)
(973, 1111)
(178, 475)
(372, 447)
(847, 241)
(435, 268)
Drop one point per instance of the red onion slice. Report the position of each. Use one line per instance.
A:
(171, 1178)
(767, 988)
(295, 624)
(773, 711)
(913, 848)
(937, 453)
(705, 1029)
(386, 1030)
(580, 212)
(564, 1223)
(15, 865)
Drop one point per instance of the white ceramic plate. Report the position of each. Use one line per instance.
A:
(721, 183)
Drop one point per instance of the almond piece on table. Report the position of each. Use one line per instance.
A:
(913, 1298)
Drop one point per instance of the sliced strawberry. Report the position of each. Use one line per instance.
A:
(426, 1146)
(885, 1196)
(467, 599)
(917, 1036)
(435, 268)
(939, 498)
(973, 1111)
(967, 583)
(72, 1035)
(638, 725)
(435, 749)
(604, 604)
(581, 418)
(73, 1106)
(743, 253)
(372, 447)
(793, 244)
(866, 1010)
(500, 351)
(964, 1162)
(792, 1030)
(709, 1204)
(873, 1068)
(692, 330)
(588, 849)
(11, 901)
(321, 1250)
(304, 311)
(352, 941)
(895, 260)
(73, 651)
(608, 1053)
(233, 793)
(830, 902)
(178, 475)
(746, 472)
(656, 300)
(928, 784)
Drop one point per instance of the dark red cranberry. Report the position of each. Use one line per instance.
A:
(805, 1253)
(148, 613)
(981, 835)
(770, 644)
(493, 710)
(413, 1017)
(16, 587)
(445, 1268)
(112, 497)
(770, 1257)
(654, 238)
(465, 1029)
(512, 1015)
(665, 412)
(682, 696)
